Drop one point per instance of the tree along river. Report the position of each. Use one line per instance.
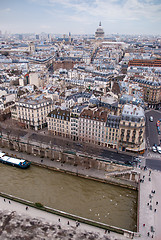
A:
(101, 202)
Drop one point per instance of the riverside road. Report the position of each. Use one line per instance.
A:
(66, 144)
(149, 159)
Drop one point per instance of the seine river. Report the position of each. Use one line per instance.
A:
(86, 198)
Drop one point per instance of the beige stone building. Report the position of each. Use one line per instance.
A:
(112, 131)
(58, 122)
(132, 129)
(92, 124)
(152, 94)
(151, 90)
(124, 132)
(32, 110)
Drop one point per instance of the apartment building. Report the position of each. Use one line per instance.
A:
(92, 124)
(145, 62)
(32, 110)
(124, 132)
(74, 124)
(151, 91)
(77, 98)
(58, 122)
(112, 131)
(131, 129)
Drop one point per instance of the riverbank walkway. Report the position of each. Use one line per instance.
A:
(25, 211)
(97, 174)
(149, 202)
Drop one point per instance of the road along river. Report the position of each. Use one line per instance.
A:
(101, 202)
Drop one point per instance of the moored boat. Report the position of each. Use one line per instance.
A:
(21, 163)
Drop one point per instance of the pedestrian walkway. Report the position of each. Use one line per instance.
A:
(54, 219)
(150, 205)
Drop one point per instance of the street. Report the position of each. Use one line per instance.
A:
(151, 133)
(154, 164)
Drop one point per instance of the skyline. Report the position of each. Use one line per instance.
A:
(80, 16)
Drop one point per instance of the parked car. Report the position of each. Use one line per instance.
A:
(154, 148)
(151, 118)
(159, 149)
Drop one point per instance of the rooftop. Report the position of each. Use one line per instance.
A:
(34, 99)
(132, 113)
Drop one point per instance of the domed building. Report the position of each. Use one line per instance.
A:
(99, 34)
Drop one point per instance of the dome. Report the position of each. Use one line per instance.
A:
(99, 34)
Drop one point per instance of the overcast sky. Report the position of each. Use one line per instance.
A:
(80, 16)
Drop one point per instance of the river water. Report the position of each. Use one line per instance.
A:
(86, 198)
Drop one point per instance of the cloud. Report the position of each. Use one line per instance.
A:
(5, 10)
(111, 9)
(73, 15)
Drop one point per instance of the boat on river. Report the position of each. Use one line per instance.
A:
(15, 162)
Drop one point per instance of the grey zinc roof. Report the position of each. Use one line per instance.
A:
(79, 95)
(132, 113)
(125, 98)
(144, 81)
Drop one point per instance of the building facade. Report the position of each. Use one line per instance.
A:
(58, 122)
(132, 129)
(92, 124)
(145, 62)
(32, 110)
(151, 91)
(124, 132)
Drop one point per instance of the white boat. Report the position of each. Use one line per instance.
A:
(21, 163)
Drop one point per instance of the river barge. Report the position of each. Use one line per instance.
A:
(15, 162)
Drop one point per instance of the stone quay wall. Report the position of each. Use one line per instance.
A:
(54, 153)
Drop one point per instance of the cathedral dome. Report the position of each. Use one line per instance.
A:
(99, 34)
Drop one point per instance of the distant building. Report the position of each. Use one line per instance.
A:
(34, 79)
(99, 34)
(151, 91)
(31, 47)
(145, 63)
(20, 37)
